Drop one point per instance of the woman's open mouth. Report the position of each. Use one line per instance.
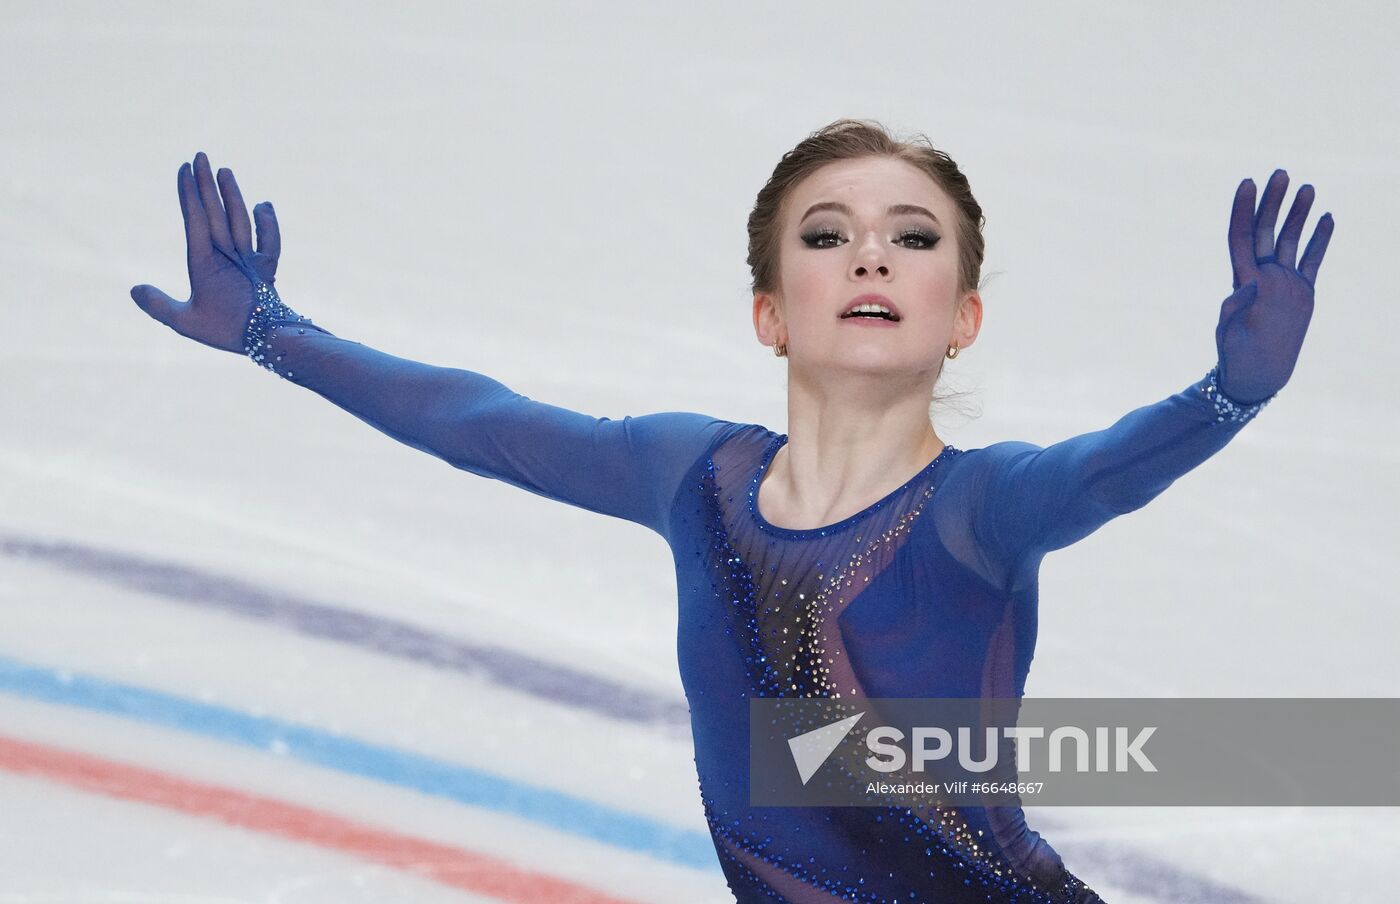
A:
(871, 318)
(871, 308)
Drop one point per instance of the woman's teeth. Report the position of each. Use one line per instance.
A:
(870, 310)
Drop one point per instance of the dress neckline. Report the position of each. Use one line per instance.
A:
(780, 440)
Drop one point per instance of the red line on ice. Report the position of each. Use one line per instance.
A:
(450, 866)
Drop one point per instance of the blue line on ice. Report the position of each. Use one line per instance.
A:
(408, 770)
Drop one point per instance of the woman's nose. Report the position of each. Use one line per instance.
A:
(870, 257)
(861, 270)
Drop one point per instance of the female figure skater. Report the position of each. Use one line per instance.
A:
(858, 555)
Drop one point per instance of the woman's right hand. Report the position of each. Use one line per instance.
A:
(223, 266)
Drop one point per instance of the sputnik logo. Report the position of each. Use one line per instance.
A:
(812, 748)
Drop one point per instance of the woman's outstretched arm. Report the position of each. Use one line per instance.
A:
(1027, 500)
(628, 468)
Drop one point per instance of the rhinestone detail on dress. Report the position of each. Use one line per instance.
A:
(1227, 409)
(270, 315)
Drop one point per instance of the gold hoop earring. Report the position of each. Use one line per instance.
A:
(952, 351)
(780, 349)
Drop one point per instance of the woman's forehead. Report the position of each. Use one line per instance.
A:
(871, 184)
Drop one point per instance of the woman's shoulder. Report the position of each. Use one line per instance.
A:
(741, 438)
(690, 435)
(689, 430)
(982, 463)
(738, 451)
(998, 452)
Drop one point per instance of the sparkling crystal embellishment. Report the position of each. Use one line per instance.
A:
(269, 315)
(1226, 409)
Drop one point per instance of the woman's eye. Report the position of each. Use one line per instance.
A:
(925, 239)
(830, 238)
(815, 238)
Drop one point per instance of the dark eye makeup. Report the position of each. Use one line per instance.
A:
(817, 237)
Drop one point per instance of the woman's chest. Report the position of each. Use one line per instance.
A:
(882, 615)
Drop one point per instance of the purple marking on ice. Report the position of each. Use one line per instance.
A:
(519, 671)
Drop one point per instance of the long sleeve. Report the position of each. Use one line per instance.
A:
(628, 468)
(1030, 500)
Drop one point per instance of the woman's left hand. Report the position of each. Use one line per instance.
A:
(1263, 323)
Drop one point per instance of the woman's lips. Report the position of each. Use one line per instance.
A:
(870, 321)
(871, 298)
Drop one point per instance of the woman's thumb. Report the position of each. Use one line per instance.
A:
(269, 234)
(156, 303)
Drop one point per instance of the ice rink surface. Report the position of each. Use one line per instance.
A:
(253, 651)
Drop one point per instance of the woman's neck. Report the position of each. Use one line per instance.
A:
(841, 459)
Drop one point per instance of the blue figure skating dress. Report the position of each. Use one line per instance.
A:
(929, 592)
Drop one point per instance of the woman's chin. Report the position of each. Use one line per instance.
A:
(870, 360)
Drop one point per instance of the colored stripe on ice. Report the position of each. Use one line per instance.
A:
(424, 774)
(385, 636)
(450, 866)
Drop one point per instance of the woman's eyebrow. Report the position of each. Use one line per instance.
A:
(894, 210)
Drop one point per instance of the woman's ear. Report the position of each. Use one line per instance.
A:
(767, 318)
(968, 321)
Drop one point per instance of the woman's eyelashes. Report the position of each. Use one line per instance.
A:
(818, 238)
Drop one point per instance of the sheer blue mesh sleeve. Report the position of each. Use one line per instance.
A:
(628, 468)
(1030, 500)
